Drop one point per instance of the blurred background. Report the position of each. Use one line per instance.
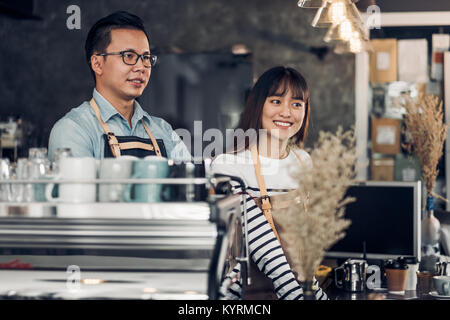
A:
(44, 73)
(210, 52)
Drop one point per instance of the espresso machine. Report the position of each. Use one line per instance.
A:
(178, 249)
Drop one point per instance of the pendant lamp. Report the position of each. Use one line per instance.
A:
(310, 4)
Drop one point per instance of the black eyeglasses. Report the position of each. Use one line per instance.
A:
(131, 58)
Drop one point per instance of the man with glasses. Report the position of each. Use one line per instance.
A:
(113, 123)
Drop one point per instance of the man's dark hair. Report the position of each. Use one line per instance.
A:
(99, 37)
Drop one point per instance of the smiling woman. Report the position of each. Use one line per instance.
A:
(278, 109)
(278, 101)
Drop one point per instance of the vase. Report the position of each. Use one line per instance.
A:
(308, 290)
(430, 237)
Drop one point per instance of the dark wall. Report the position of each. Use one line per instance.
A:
(43, 72)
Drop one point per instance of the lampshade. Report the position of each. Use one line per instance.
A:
(345, 31)
(343, 47)
(332, 12)
(310, 4)
(314, 4)
(354, 15)
(354, 45)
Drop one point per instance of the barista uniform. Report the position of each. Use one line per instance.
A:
(271, 274)
(96, 129)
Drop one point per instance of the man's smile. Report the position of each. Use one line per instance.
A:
(138, 82)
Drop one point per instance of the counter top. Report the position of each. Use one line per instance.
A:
(58, 284)
(380, 294)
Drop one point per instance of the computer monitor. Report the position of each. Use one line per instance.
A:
(385, 219)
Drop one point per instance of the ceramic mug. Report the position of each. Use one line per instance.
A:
(185, 192)
(150, 167)
(114, 168)
(74, 169)
(442, 285)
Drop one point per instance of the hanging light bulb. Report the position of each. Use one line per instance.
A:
(310, 4)
(354, 16)
(332, 12)
(337, 11)
(344, 31)
(339, 32)
(354, 45)
(346, 47)
(344, 21)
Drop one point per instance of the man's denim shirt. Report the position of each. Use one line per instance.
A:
(80, 130)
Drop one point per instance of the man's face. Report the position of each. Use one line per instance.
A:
(125, 81)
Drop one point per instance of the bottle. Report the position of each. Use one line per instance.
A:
(430, 238)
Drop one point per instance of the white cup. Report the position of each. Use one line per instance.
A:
(74, 169)
(114, 168)
(411, 278)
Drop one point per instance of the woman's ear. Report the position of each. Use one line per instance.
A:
(97, 64)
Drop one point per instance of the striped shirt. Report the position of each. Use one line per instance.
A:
(265, 249)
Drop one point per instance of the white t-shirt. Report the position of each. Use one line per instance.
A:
(278, 173)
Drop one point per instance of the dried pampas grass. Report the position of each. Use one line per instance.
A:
(426, 133)
(310, 230)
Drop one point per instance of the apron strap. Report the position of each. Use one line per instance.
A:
(114, 143)
(112, 140)
(302, 162)
(136, 145)
(155, 144)
(265, 200)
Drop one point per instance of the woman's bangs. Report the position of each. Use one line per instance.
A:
(285, 83)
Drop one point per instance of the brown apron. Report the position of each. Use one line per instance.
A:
(114, 144)
(262, 286)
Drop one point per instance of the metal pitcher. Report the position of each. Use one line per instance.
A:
(351, 276)
(441, 269)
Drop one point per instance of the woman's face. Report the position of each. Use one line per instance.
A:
(283, 116)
